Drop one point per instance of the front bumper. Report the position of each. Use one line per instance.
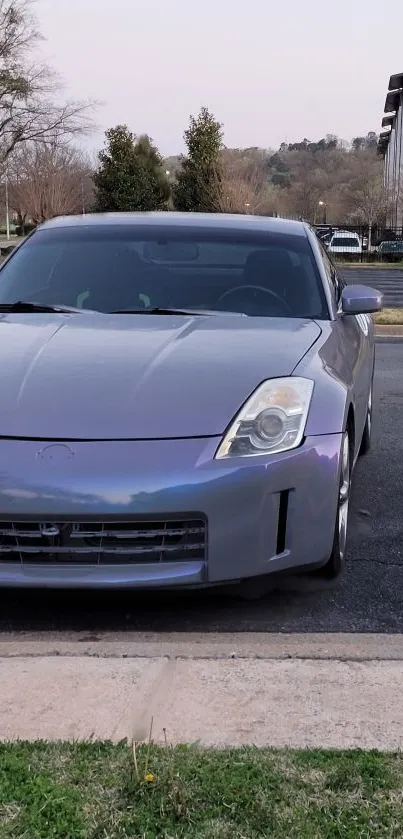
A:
(263, 514)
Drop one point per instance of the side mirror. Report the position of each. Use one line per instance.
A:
(360, 300)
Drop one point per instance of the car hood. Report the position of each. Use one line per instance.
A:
(102, 377)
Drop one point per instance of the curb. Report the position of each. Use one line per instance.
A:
(388, 331)
(388, 339)
(360, 647)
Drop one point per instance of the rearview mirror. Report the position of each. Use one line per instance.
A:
(360, 300)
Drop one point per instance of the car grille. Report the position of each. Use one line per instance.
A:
(107, 543)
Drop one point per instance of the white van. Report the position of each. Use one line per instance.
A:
(343, 241)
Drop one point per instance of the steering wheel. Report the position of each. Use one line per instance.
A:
(234, 290)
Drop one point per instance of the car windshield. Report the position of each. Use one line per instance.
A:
(345, 242)
(122, 267)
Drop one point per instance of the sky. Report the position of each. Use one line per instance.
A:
(269, 70)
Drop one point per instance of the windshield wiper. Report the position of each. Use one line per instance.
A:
(30, 306)
(161, 310)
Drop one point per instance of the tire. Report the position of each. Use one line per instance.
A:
(367, 433)
(336, 561)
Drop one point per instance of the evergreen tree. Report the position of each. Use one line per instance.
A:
(130, 174)
(199, 176)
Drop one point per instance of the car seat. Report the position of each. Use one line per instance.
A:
(274, 269)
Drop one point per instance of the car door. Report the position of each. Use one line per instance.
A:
(355, 342)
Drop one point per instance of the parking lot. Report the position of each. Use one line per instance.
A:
(369, 598)
(388, 280)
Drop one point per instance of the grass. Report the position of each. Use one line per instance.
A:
(92, 790)
(389, 317)
(345, 263)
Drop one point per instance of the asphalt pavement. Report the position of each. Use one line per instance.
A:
(368, 598)
(387, 280)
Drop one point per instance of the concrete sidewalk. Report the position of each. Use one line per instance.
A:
(309, 690)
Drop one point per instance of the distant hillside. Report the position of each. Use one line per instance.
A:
(325, 180)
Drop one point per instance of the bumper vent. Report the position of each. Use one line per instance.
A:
(102, 543)
(282, 522)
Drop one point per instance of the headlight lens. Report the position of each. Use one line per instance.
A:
(272, 420)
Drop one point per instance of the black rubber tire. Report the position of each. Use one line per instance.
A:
(337, 560)
(335, 564)
(367, 433)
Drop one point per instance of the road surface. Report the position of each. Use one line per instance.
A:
(387, 280)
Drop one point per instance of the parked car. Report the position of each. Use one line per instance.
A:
(391, 251)
(345, 242)
(183, 400)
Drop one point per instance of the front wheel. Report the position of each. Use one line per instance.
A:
(366, 437)
(336, 561)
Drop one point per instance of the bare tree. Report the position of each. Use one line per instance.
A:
(308, 184)
(239, 187)
(367, 199)
(328, 172)
(48, 180)
(29, 90)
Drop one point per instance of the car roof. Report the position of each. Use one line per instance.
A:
(171, 219)
(346, 233)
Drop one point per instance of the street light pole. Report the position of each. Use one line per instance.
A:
(7, 207)
(323, 204)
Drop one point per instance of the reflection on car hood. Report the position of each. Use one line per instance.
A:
(129, 377)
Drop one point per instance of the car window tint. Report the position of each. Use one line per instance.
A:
(107, 268)
(32, 274)
(345, 242)
(331, 274)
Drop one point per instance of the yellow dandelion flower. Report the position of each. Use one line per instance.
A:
(149, 777)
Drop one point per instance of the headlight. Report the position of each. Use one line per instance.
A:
(272, 420)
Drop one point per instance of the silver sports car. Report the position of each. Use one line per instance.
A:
(183, 400)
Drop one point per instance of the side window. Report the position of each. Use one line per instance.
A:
(336, 284)
(339, 279)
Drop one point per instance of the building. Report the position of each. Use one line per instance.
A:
(390, 146)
